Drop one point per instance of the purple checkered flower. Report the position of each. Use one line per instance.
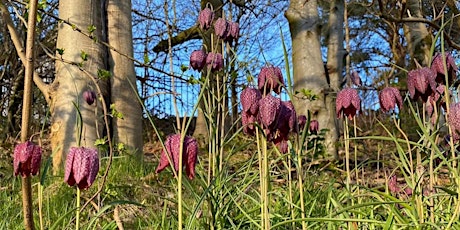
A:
(89, 96)
(198, 60)
(389, 98)
(233, 32)
(454, 117)
(26, 159)
(348, 103)
(215, 61)
(205, 18)
(437, 65)
(270, 78)
(222, 28)
(421, 83)
(301, 121)
(81, 167)
(314, 126)
(250, 100)
(248, 121)
(189, 154)
(269, 110)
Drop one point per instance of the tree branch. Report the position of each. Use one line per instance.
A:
(43, 87)
(421, 20)
(186, 35)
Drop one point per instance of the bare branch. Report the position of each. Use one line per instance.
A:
(20, 49)
(186, 35)
(449, 40)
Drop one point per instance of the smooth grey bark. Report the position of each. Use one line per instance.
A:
(126, 130)
(70, 82)
(308, 68)
(418, 39)
(335, 59)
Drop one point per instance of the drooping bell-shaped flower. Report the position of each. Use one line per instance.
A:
(250, 100)
(289, 116)
(301, 121)
(356, 79)
(270, 78)
(205, 18)
(248, 121)
(81, 167)
(189, 154)
(393, 185)
(437, 65)
(348, 103)
(421, 83)
(26, 159)
(214, 61)
(269, 110)
(314, 126)
(454, 117)
(233, 31)
(221, 28)
(389, 98)
(89, 96)
(198, 60)
(281, 143)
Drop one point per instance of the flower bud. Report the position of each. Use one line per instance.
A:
(89, 96)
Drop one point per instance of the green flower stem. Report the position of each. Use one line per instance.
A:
(262, 154)
(300, 181)
(346, 136)
(77, 221)
(40, 204)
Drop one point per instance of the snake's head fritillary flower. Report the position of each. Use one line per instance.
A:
(233, 31)
(89, 96)
(348, 103)
(222, 28)
(289, 115)
(26, 159)
(270, 78)
(198, 60)
(314, 126)
(205, 18)
(356, 79)
(269, 110)
(189, 154)
(454, 117)
(421, 83)
(437, 65)
(393, 185)
(81, 167)
(250, 100)
(214, 61)
(301, 121)
(248, 121)
(282, 144)
(389, 98)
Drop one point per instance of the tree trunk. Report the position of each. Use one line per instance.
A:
(70, 82)
(417, 36)
(335, 60)
(126, 130)
(308, 66)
